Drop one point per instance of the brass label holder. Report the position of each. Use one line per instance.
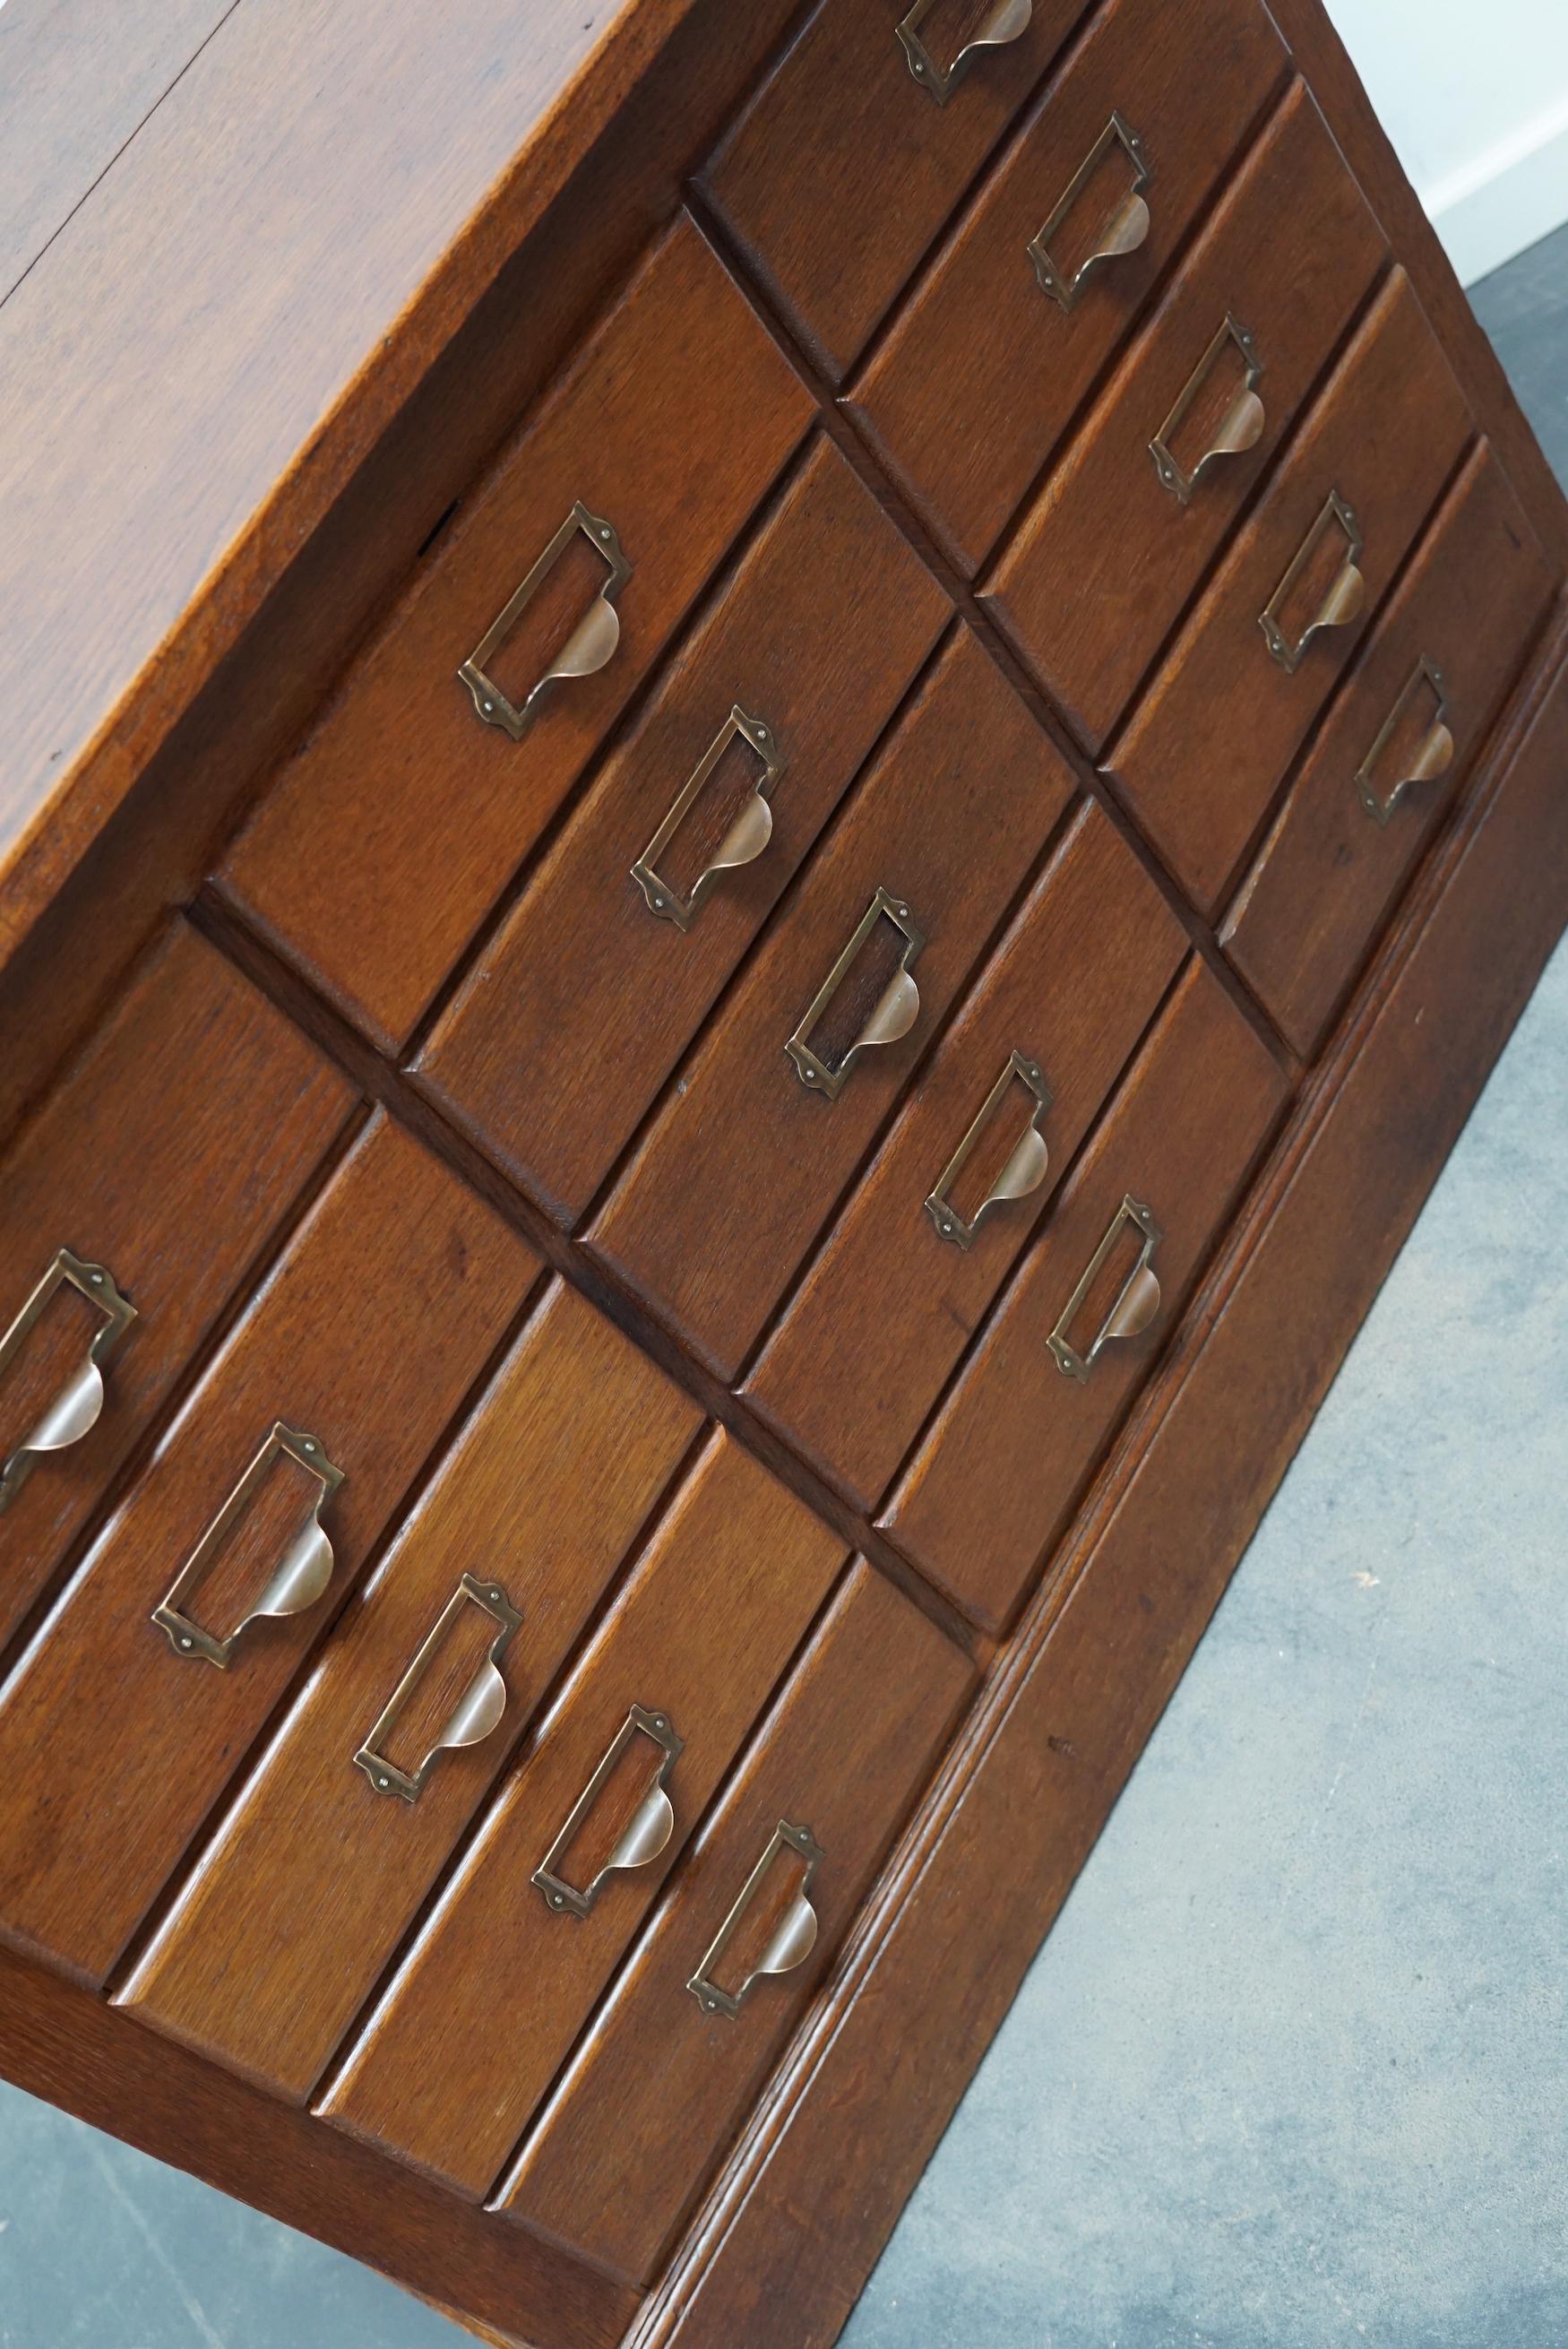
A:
(75, 1409)
(477, 1711)
(789, 1945)
(1433, 757)
(1008, 21)
(744, 841)
(298, 1580)
(893, 1015)
(1123, 233)
(646, 1833)
(1026, 1162)
(1136, 1301)
(587, 649)
(1345, 600)
(1240, 428)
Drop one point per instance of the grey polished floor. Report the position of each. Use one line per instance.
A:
(1292, 2072)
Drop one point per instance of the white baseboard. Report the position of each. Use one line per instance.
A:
(1506, 199)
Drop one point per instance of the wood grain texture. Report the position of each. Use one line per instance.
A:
(702, 1633)
(1040, 1761)
(369, 1334)
(304, 1892)
(967, 395)
(1205, 751)
(1104, 520)
(741, 1165)
(169, 1153)
(571, 1020)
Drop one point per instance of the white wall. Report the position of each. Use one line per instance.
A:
(1474, 95)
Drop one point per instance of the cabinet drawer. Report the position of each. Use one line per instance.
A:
(568, 1026)
(697, 1640)
(1331, 865)
(886, 1310)
(842, 169)
(745, 1160)
(304, 1892)
(162, 1160)
(389, 837)
(1205, 752)
(998, 1474)
(662, 2082)
(1288, 257)
(115, 1738)
(983, 371)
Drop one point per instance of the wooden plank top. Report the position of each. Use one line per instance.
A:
(206, 346)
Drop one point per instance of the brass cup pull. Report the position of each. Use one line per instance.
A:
(789, 1945)
(744, 840)
(1024, 1169)
(1126, 229)
(1288, 633)
(645, 1834)
(301, 1573)
(74, 1409)
(1432, 756)
(587, 649)
(1007, 21)
(477, 1710)
(1239, 427)
(893, 1014)
(1136, 1301)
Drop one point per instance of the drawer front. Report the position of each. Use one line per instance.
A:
(662, 2084)
(744, 1162)
(698, 1641)
(842, 169)
(114, 1745)
(1206, 750)
(1288, 256)
(998, 1474)
(307, 1888)
(886, 1309)
(568, 1026)
(1330, 866)
(981, 374)
(162, 1160)
(387, 839)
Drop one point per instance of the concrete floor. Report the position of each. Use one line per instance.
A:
(1291, 2072)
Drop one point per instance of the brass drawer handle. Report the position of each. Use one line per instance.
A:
(75, 1409)
(1136, 1300)
(1432, 756)
(1342, 601)
(642, 1839)
(1025, 1168)
(1237, 430)
(1126, 229)
(893, 1014)
(791, 1939)
(743, 842)
(1008, 21)
(477, 1711)
(301, 1574)
(587, 649)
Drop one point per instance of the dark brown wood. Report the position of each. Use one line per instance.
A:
(1204, 752)
(567, 1026)
(1327, 872)
(1104, 520)
(952, 815)
(886, 1309)
(702, 1633)
(981, 372)
(614, 2159)
(308, 1884)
